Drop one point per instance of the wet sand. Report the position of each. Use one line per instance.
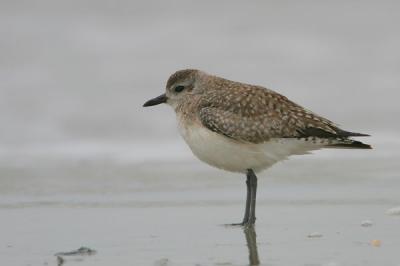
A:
(193, 235)
(174, 213)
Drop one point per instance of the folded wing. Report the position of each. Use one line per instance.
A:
(256, 115)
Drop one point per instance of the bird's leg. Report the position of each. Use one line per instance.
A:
(253, 189)
(248, 200)
(250, 212)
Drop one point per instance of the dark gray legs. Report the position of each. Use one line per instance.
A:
(250, 212)
(250, 219)
(248, 201)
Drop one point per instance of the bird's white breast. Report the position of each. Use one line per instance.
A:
(228, 154)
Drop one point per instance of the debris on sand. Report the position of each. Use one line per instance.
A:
(366, 223)
(60, 261)
(393, 211)
(162, 262)
(82, 251)
(314, 235)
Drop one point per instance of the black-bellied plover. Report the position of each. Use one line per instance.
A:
(246, 128)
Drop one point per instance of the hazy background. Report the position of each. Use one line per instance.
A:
(83, 163)
(80, 71)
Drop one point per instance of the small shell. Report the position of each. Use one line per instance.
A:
(393, 211)
(366, 223)
(376, 243)
(314, 235)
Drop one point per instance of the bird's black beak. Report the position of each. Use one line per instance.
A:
(160, 99)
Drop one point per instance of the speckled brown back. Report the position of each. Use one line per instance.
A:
(256, 114)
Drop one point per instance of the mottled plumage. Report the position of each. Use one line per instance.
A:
(246, 128)
(251, 113)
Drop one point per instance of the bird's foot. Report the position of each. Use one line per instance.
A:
(236, 224)
(249, 223)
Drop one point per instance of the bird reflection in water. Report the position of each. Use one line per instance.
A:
(251, 241)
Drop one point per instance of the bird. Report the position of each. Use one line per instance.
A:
(246, 128)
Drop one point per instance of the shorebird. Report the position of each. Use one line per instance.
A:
(246, 128)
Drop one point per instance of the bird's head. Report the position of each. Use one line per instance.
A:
(179, 85)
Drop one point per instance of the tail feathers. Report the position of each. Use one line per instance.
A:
(322, 133)
(350, 144)
(343, 133)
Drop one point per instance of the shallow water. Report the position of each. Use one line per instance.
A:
(173, 211)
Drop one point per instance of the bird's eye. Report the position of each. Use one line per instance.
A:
(179, 88)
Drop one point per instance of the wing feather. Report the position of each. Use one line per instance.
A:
(256, 114)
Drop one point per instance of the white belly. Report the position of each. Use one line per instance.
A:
(225, 153)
